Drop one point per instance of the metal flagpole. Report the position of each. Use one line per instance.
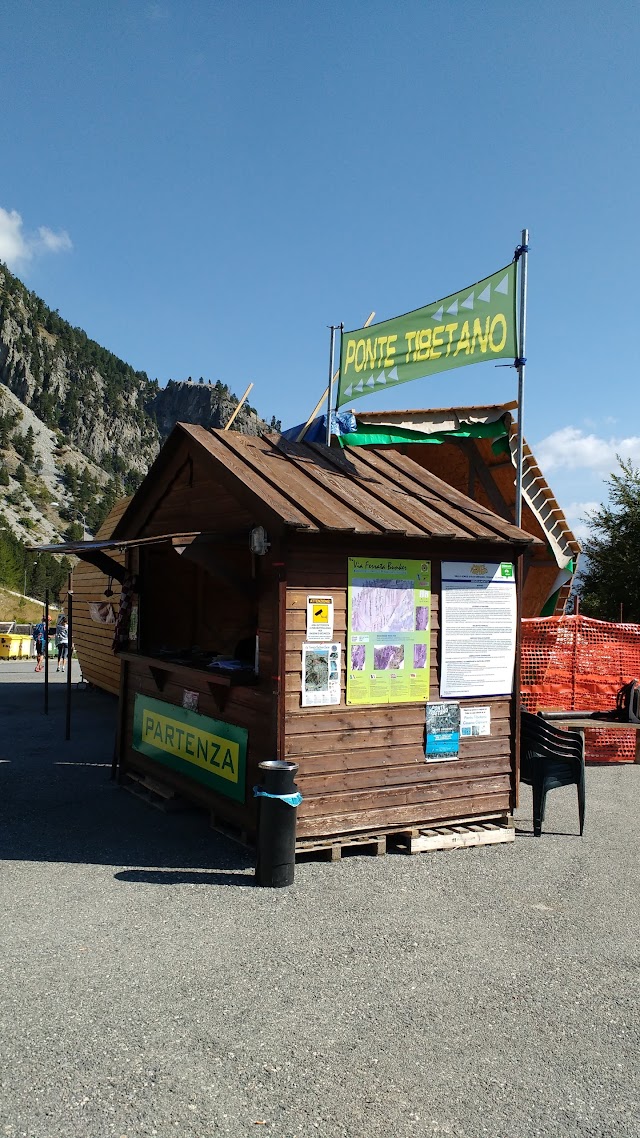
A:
(330, 391)
(326, 390)
(521, 253)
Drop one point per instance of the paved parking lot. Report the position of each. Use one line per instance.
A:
(148, 988)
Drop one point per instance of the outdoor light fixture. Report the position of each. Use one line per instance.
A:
(258, 541)
(109, 591)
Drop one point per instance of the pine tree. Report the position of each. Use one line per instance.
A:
(612, 551)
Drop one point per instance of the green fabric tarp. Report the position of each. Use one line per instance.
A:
(368, 435)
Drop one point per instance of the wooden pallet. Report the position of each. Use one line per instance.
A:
(455, 837)
(154, 793)
(375, 844)
(229, 830)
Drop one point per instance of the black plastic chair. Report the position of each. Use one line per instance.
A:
(550, 757)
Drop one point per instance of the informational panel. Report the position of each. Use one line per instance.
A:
(443, 731)
(479, 616)
(475, 721)
(388, 631)
(320, 675)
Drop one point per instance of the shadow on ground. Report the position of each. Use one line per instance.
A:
(58, 802)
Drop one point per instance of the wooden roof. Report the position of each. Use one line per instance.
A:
(315, 489)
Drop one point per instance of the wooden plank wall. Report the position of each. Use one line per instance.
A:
(364, 767)
(92, 640)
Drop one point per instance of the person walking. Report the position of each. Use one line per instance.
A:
(41, 637)
(62, 643)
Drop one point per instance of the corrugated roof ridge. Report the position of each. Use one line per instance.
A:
(356, 495)
(295, 453)
(241, 446)
(426, 527)
(469, 527)
(485, 518)
(214, 442)
(438, 410)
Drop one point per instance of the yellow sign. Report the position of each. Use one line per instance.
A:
(319, 618)
(202, 748)
(208, 751)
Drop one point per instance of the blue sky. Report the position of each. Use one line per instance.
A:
(204, 186)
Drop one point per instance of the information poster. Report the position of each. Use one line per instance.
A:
(320, 675)
(319, 618)
(475, 721)
(443, 731)
(479, 614)
(388, 631)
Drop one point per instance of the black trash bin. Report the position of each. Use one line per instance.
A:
(278, 800)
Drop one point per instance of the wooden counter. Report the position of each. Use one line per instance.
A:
(219, 684)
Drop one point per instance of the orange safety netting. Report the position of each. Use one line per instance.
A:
(573, 663)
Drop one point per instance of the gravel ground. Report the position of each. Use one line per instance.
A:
(149, 989)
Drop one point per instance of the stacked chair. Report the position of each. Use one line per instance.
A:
(550, 757)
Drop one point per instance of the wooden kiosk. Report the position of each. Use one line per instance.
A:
(229, 543)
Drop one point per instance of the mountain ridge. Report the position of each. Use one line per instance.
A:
(79, 427)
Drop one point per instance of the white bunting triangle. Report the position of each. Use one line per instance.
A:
(453, 309)
(359, 386)
(370, 382)
(485, 295)
(349, 390)
(381, 378)
(438, 315)
(503, 287)
(393, 375)
(468, 303)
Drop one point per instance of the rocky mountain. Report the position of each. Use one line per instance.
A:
(78, 426)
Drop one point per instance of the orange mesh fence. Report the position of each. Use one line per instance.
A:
(573, 663)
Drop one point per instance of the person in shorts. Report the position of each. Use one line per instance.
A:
(41, 637)
(62, 643)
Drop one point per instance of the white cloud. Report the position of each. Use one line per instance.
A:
(18, 247)
(54, 242)
(571, 449)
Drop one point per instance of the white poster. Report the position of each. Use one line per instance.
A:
(475, 721)
(320, 675)
(479, 616)
(319, 618)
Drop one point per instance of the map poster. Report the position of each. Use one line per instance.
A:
(388, 631)
(443, 731)
(479, 617)
(320, 675)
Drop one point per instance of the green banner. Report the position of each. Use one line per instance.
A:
(212, 752)
(476, 324)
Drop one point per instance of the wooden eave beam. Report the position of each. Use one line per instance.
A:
(107, 565)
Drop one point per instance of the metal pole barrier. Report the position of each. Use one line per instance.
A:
(46, 652)
(330, 391)
(277, 808)
(521, 366)
(67, 733)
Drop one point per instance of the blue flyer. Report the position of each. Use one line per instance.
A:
(443, 731)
